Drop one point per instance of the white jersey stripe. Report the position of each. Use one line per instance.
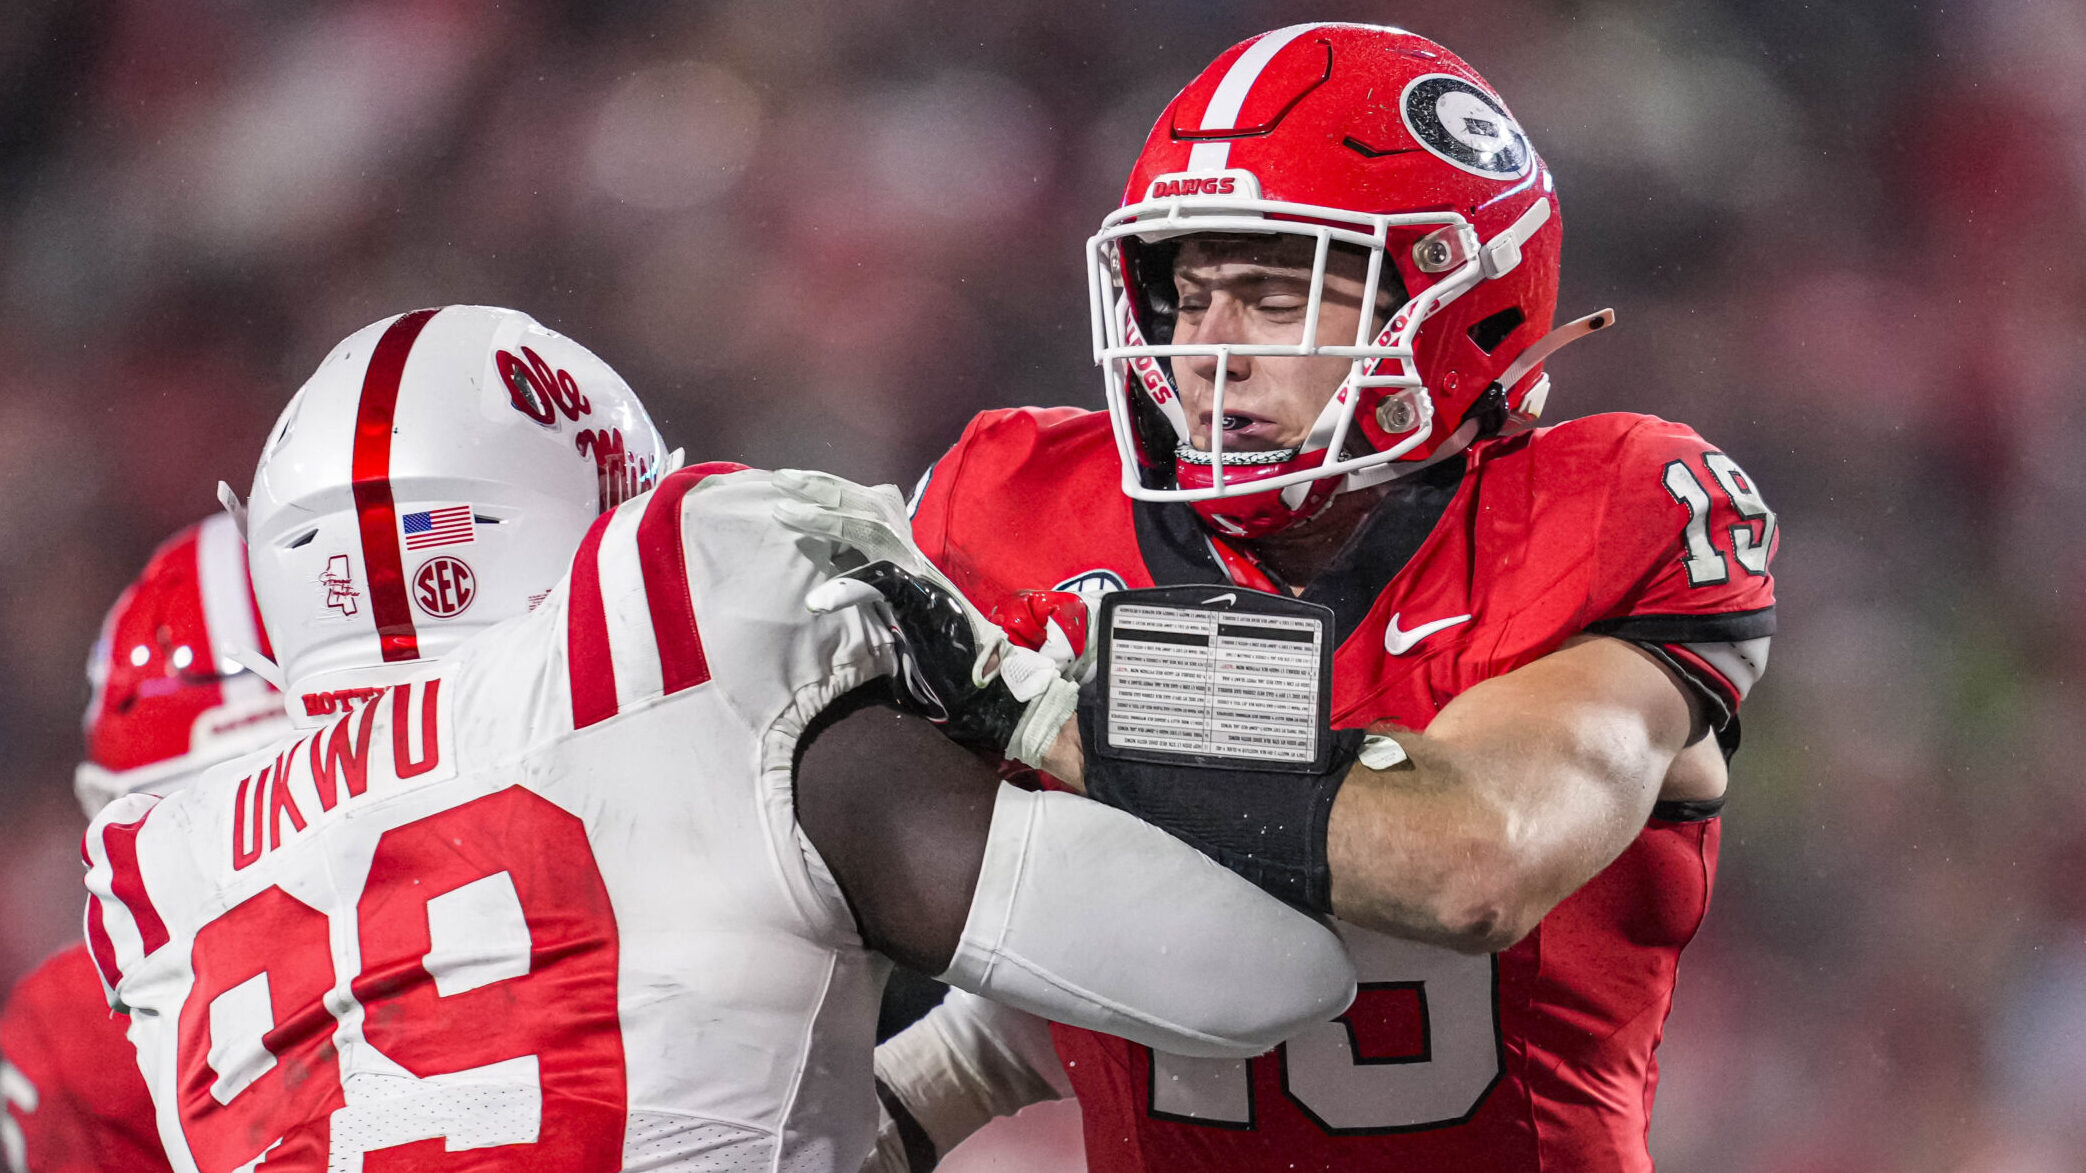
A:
(228, 612)
(1230, 95)
(632, 647)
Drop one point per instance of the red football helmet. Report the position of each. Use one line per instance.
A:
(168, 700)
(1343, 134)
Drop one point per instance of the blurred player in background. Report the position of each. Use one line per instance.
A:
(169, 700)
(593, 868)
(1322, 313)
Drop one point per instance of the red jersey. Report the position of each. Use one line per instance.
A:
(1539, 1057)
(74, 1098)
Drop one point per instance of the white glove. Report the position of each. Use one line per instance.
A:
(869, 521)
(872, 523)
(930, 617)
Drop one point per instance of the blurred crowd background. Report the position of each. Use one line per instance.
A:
(1844, 241)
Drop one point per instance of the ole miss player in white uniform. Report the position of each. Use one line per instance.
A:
(168, 701)
(592, 871)
(1322, 312)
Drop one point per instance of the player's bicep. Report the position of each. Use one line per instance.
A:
(900, 816)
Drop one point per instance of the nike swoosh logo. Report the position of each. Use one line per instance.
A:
(1226, 597)
(1398, 642)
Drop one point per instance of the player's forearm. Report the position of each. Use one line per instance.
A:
(1430, 851)
(1466, 846)
(1426, 850)
(1065, 760)
(1521, 790)
(1469, 844)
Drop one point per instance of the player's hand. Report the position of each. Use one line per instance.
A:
(869, 525)
(956, 668)
(870, 521)
(1055, 623)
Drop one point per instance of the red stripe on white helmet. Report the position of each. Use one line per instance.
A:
(382, 564)
(432, 478)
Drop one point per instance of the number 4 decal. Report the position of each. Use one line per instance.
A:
(1706, 565)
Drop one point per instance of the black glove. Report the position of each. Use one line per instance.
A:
(938, 654)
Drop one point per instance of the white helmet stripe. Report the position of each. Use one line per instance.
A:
(228, 613)
(1230, 95)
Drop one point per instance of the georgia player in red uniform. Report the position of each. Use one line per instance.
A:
(1322, 312)
(168, 702)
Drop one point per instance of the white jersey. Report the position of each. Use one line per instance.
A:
(548, 906)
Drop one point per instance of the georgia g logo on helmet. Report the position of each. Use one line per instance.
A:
(1463, 125)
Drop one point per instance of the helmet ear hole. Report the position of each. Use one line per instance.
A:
(1489, 332)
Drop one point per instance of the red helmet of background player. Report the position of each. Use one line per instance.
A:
(1353, 135)
(168, 699)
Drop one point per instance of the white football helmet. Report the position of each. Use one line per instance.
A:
(433, 477)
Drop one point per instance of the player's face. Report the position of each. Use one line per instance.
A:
(1257, 290)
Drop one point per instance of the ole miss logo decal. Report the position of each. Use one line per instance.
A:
(444, 586)
(538, 390)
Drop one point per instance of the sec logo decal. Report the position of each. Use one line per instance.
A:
(444, 586)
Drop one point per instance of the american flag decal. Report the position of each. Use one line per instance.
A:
(450, 526)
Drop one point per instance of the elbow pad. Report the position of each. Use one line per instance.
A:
(1087, 916)
(1269, 826)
